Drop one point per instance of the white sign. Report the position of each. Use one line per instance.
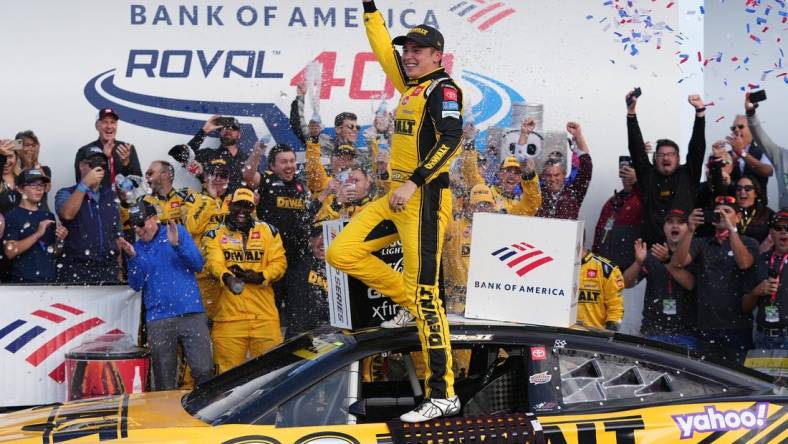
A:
(40, 324)
(338, 293)
(524, 269)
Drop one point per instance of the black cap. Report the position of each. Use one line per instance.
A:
(92, 151)
(344, 149)
(777, 217)
(679, 213)
(423, 35)
(29, 176)
(216, 166)
(104, 112)
(140, 212)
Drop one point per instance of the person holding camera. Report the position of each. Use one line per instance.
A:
(559, 200)
(724, 267)
(774, 152)
(89, 211)
(28, 160)
(666, 184)
(121, 156)
(350, 194)
(246, 256)
(619, 221)
(162, 264)
(229, 148)
(770, 296)
(749, 157)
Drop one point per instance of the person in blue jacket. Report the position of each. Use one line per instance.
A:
(162, 264)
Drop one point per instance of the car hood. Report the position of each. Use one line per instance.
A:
(110, 417)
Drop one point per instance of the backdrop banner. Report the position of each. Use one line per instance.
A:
(40, 324)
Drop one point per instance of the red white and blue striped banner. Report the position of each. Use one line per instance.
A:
(40, 324)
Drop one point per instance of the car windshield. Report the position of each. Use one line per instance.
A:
(232, 390)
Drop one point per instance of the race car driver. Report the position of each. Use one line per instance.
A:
(428, 133)
(246, 256)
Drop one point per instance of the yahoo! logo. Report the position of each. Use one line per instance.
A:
(713, 420)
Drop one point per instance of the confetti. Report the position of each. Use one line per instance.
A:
(755, 38)
(683, 57)
(589, 17)
(702, 11)
(753, 85)
(720, 118)
(669, 5)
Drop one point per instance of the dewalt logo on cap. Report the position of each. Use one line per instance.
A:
(243, 195)
(421, 31)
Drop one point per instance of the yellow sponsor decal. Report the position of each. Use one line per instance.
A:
(317, 349)
(437, 157)
(291, 203)
(421, 31)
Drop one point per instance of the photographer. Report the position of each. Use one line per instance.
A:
(749, 158)
(619, 221)
(774, 152)
(666, 184)
(724, 267)
(229, 149)
(89, 211)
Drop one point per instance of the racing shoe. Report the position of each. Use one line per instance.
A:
(432, 408)
(399, 320)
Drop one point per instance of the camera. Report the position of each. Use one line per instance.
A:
(758, 96)
(226, 122)
(715, 163)
(710, 216)
(95, 162)
(636, 93)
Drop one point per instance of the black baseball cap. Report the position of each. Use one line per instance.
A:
(344, 149)
(104, 112)
(85, 154)
(678, 213)
(424, 35)
(29, 176)
(140, 212)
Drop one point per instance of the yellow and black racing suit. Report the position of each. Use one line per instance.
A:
(171, 206)
(247, 322)
(204, 213)
(599, 300)
(526, 204)
(427, 136)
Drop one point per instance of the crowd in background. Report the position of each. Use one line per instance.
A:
(230, 269)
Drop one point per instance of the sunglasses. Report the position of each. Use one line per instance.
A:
(220, 174)
(725, 200)
(351, 127)
(747, 188)
(779, 228)
(739, 126)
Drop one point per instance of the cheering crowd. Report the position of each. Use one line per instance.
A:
(230, 269)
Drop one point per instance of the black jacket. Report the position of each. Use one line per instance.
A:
(662, 193)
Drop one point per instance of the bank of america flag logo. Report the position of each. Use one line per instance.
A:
(482, 13)
(522, 257)
(39, 338)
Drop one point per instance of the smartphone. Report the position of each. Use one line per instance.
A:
(17, 145)
(225, 122)
(773, 274)
(636, 93)
(624, 161)
(758, 96)
(710, 216)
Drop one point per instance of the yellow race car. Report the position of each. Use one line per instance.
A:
(333, 386)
